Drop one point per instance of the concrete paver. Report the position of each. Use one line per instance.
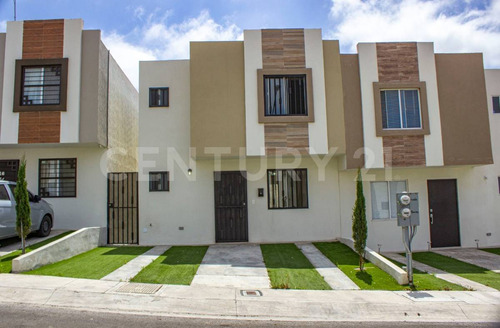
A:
(329, 271)
(240, 266)
(227, 302)
(450, 277)
(30, 241)
(473, 256)
(133, 267)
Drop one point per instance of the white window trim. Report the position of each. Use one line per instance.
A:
(401, 110)
(390, 218)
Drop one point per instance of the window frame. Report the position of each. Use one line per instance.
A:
(388, 184)
(166, 186)
(496, 104)
(269, 194)
(163, 89)
(58, 178)
(424, 114)
(19, 84)
(262, 73)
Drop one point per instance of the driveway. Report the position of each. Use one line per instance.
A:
(473, 256)
(11, 247)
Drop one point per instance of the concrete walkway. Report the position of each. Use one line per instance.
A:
(217, 302)
(330, 272)
(30, 241)
(473, 256)
(132, 268)
(450, 277)
(238, 266)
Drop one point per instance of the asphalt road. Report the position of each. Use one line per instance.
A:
(16, 315)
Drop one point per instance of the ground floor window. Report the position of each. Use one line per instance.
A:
(57, 177)
(287, 189)
(383, 195)
(8, 169)
(158, 181)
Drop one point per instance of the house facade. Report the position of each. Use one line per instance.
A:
(70, 111)
(260, 141)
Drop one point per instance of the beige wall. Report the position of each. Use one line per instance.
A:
(463, 106)
(217, 96)
(334, 96)
(2, 57)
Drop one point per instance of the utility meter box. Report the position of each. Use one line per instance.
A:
(407, 209)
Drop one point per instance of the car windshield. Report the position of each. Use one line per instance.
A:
(31, 197)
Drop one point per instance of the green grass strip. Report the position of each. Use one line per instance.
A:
(492, 250)
(288, 268)
(372, 278)
(6, 260)
(462, 269)
(94, 264)
(425, 281)
(177, 266)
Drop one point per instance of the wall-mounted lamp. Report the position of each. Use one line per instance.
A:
(190, 171)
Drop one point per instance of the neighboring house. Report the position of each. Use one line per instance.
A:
(67, 107)
(259, 140)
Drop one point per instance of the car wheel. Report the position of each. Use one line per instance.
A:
(45, 226)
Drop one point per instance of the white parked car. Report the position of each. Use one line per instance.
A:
(42, 214)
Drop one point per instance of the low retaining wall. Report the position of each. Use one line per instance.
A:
(396, 272)
(73, 244)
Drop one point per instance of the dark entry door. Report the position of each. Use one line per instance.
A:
(231, 216)
(8, 169)
(123, 212)
(443, 213)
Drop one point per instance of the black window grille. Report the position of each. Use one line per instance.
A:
(57, 177)
(41, 85)
(158, 181)
(285, 95)
(158, 97)
(8, 169)
(287, 188)
(496, 105)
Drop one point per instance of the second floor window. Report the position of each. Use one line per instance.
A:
(400, 109)
(41, 85)
(285, 95)
(158, 97)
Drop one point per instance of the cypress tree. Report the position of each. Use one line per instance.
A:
(23, 209)
(359, 226)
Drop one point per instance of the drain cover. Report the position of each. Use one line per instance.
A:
(251, 293)
(138, 288)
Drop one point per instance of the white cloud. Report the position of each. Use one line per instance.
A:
(159, 40)
(471, 30)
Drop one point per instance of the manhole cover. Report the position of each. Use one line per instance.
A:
(251, 293)
(138, 288)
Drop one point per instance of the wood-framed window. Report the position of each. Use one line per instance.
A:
(41, 85)
(158, 181)
(383, 197)
(57, 177)
(401, 109)
(158, 97)
(287, 189)
(496, 105)
(285, 95)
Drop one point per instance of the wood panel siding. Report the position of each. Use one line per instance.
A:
(403, 151)
(397, 66)
(283, 138)
(463, 109)
(283, 48)
(41, 40)
(397, 62)
(353, 116)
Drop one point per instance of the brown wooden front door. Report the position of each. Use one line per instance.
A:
(123, 212)
(231, 215)
(443, 213)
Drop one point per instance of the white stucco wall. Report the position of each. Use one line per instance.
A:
(478, 212)
(89, 207)
(13, 51)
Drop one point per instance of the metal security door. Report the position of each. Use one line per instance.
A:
(123, 212)
(443, 213)
(231, 216)
(8, 169)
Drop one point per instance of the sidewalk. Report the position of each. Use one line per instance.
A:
(226, 302)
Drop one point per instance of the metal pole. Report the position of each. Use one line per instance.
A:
(15, 10)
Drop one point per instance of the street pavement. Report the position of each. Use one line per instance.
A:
(229, 303)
